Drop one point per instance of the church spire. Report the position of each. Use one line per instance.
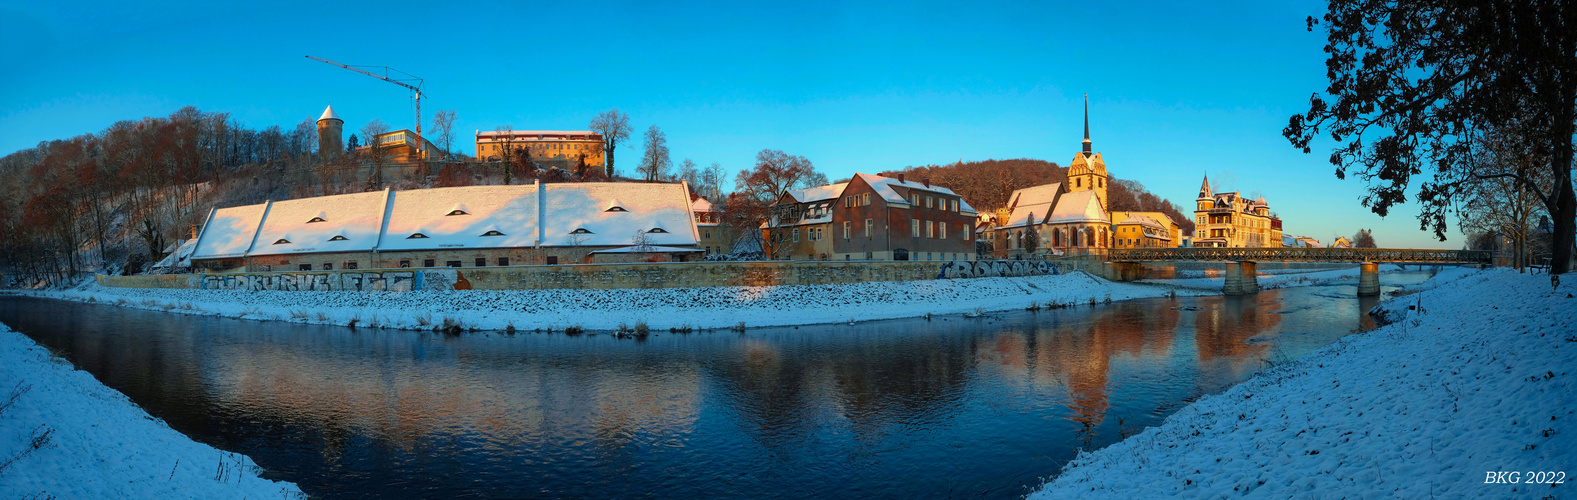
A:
(1087, 125)
(1204, 188)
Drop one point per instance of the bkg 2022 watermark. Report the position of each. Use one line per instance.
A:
(1529, 477)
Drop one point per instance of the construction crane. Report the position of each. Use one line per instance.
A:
(415, 89)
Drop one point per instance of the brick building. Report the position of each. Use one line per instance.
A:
(870, 217)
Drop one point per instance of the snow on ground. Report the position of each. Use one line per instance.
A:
(95, 443)
(660, 309)
(1279, 278)
(1475, 377)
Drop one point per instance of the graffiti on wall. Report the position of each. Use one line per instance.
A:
(996, 268)
(382, 281)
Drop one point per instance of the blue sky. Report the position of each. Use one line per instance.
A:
(1176, 89)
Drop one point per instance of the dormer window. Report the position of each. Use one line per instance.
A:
(492, 233)
(615, 208)
(458, 212)
(415, 236)
(282, 241)
(315, 219)
(338, 238)
(580, 230)
(657, 230)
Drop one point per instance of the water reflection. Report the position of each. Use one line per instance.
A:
(976, 407)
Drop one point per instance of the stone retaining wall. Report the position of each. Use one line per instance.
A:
(607, 276)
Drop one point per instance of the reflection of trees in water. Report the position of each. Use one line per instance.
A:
(1074, 349)
(875, 380)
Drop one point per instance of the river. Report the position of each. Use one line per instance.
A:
(948, 406)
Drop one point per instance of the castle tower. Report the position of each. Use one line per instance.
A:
(331, 135)
(1087, 171)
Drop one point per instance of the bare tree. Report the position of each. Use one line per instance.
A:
(614, 126)
(655, 162)
(1363, 239)
(712, 182)
(376, 152)
(689, 174)
(443, 129)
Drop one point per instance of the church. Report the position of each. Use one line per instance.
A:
(1057, 219)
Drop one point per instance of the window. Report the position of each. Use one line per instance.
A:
(866, 199)
(457, 212)
(796, 235)
(964, 228)
(914, 199)
(1078, 182)
(337, 238)
(928, 201)
(305, 267)
(481, 262)
(708, 233)
(914, 228)
(282, 241)
(867, 228)
(350, 265)
(416, 236)
(580, 230)
(615, 208)
(315, 219)
(553, 260)
(404, 263)
(846, 229)
(452, 263)
(658, 230)
(930, 230)
(328, 266)
(427, 263)
(943, 233)
(492, 233)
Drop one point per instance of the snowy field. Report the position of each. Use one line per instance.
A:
(1281, 278)
(1474, 376)
(659, 309)
(65, 435)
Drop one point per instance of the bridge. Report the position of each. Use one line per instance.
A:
(1241, 276)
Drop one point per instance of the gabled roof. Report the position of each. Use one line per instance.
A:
(578, 205)
(884, 187)
(357, 217)
(818, 193)
(229, 232)
(1080, 206)
(1037, 200)
(511, 210)
(700, 204)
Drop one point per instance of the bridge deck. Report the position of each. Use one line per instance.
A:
(1381, 255)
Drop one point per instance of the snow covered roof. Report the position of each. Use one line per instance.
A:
(659, 211)
(558, 135)
(1079, 206)
(328, 114)
(340, 223)
(477, 211)
(459, 217)
(1143, 221)
(700, 204)
(649, 249)
(819, 193)
(229, 232)
(884, 186)
(1036, 200)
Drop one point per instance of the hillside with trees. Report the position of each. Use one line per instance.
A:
(987, 185)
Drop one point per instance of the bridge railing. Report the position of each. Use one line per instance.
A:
(1385, 255)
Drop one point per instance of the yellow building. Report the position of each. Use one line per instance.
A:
(1144, 230)
(548, 148)
(402, 147)
(1229, 220)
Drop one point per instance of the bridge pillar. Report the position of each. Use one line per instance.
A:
(1368, 279)
(1242, 279)
(1127, 271)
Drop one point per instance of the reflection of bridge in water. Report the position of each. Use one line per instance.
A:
(1127, 263)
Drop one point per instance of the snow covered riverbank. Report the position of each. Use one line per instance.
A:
(65, 435)
(659, 309)
(1476, 375)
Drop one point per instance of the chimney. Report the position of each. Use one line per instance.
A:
(900, 177)
(926, 180)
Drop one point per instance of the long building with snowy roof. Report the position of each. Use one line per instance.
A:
(560, 223)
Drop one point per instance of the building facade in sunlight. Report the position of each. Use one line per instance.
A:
(1069, 218)
(870, 217)
(1229, 220)
(565, 149)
